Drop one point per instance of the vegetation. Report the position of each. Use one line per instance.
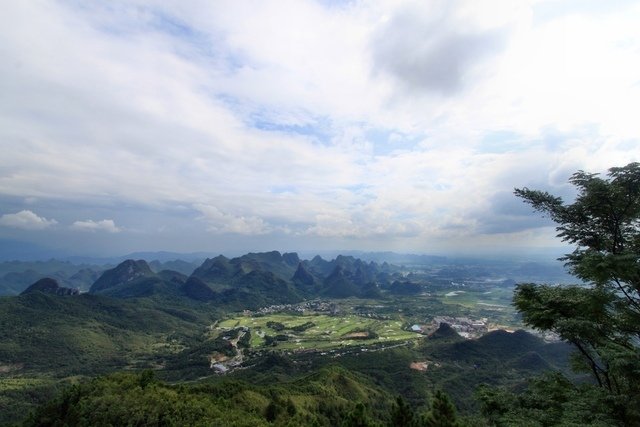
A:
(317, 331)
(328, 397)
(89, 334)
(601, 318)
(93, 334)
(358, 366)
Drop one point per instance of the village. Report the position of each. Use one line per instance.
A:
(315, 306)
(464, 326)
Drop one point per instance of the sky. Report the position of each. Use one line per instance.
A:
(230, 126)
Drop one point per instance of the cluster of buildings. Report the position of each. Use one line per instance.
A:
(371, 315)
(464, 326)
(316, 306)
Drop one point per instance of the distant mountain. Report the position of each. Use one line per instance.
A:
(405, 287)
(339, 284)
(144, 287)
(349, 276)
(304, 281)
(124, 272)
(83, 278)
(50, 286)
(16, 282)
(273, 278)
(184, 267)
(218, 269)
(249, 281)
(258, 289)
(173, 276)
(225, 276)
(196, 289)
(166, 256)
(398, 258)
(244, 282)
(319, 266)
(135, 279)
(16, 276)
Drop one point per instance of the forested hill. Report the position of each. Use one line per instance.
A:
(250, 281)
(244, 349)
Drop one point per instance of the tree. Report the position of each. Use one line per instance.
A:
(402, 414)
(442, 412)
(358, 417)
(600, 317)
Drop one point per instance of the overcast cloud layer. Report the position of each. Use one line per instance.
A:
(254, 125)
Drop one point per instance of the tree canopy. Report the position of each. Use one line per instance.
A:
(601, 316)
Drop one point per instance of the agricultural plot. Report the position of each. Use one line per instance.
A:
(317, 331)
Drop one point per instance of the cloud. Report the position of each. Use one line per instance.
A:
(428, 49)
(508, 214)
(107, 225)
(388, 121)
(361, 228)
(26, 220)
(220, 223)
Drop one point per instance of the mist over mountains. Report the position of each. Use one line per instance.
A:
(348, 275)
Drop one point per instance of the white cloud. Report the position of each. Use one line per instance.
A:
(426, 47)
(107, 225)
(220, 222)
(26, 220)
(382, 119)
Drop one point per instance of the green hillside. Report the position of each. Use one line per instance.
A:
(331, 396)
(88, 333)
(315, 361)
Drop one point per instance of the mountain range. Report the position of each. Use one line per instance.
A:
(249, 281)
(161, 316)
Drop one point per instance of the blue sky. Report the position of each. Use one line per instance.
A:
(299, 125)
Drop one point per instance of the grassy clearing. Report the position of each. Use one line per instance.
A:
(22, 383)
(327, 331)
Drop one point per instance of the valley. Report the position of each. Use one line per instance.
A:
(268, 318)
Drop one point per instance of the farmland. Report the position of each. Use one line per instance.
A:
(317, 331)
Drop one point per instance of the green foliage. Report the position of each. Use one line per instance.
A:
(402, 415)
(122, 400)
(328, 397)
(276, 326)
(303, 327)
(245, 340)
(95, 334)
(604, 224)
(601, 319)
(550, 400)
(272, 341)
(358, 417)
(442, 412)
(89, 334)
(18, 396)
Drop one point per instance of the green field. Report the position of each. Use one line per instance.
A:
(327, 331)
